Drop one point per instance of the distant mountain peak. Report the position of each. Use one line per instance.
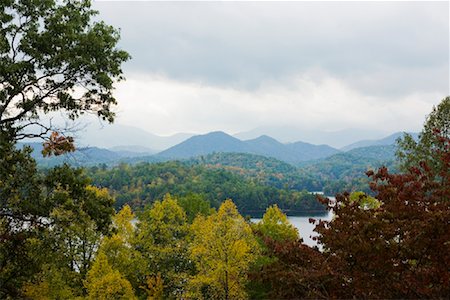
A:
(264, 138)
(216, 133)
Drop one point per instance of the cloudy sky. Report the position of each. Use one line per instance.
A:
(235, 66)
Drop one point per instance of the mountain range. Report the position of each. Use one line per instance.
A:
(264, 145)
(297, 153)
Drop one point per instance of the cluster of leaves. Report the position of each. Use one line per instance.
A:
(427, 149)
(144, 183)
(57, 144)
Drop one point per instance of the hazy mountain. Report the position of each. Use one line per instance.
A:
(309, 151)
(389, 140)
(381, 152)
(290, 134)
(205, 144)
(263, 145)
(267, 146)
(81, 157)
(116, 135)
(133, 151)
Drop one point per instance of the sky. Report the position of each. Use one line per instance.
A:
(197, 67)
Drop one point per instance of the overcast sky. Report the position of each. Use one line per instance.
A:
(235, 66)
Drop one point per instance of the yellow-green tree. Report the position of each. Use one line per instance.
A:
(365, 201)
(103, 282)
(161, 239)
(119, 248)
(276, 226)
(223, 249)
(52, 284)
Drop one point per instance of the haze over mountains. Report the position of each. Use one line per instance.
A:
(96, 134)
(290, 134)
(297, 153)
(126, 138)
(389, 140)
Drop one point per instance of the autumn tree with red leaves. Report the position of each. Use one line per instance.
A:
(402, 248)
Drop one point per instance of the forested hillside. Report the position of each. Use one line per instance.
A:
(260, 169)
(141, 184)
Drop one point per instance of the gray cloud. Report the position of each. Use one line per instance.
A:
(378, 48)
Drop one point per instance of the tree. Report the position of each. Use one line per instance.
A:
(103, 282)
(54, 57)
(120, 251)
(22, 207)
(162, 241)
(53, 283)
(402, 244)
(48, 225)
(77, 215)
(276, 226)
(223, 249)
(295, 271)
(193, 205)
(411, 153)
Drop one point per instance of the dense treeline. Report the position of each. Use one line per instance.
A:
(144, 183)
(261, 170)
(339, 172)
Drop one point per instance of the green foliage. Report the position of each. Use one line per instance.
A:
(143, 183)
(53, 284)
(21, 206)
(162, 241)
(50, 51)
(103, 282)
(345, 171)
(50, 224)
(275, 225)
(194, 205)
(223, 248)
(364, 201)
(119, 248)
(411, 153)
(261, 170)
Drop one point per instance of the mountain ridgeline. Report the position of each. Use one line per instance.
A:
(297, 153)
(263, 145)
